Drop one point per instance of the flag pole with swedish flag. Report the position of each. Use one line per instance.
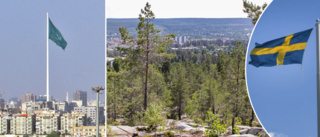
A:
(281, 51)
(288, 50)
(54, 34)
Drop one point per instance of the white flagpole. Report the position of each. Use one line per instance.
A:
(47, 86)
(318, 75)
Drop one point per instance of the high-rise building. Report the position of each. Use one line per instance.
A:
(184, 39)
(67, 97)
(28, 97)
(22, 124)
(2, 103)
(69, 120)
(180, 40)
(80, 95)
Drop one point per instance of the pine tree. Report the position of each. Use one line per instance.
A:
(254, 11)
(237, 94)
(178, 89)
(147, 45)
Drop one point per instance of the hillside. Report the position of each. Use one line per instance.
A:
(193, 28)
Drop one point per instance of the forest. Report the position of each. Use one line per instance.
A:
(185, 87)
(149, 82)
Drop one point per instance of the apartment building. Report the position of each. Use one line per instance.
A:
(90, 112)
(22, 124)
(47, 121)
(4, 124)
(74, 119)
(88, 131)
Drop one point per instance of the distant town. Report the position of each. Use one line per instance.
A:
(212, 35)
(34, 115)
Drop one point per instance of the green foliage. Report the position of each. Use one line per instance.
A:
(54, 134)
(216, 128)
(190, 109)
(161, 129)
(256, 124)
(178, 90)
(190, 82)
(147, 46)
(254, 11)
(238, 121)
(236, 96)
(200, 121)
(133, 114)
(183, 88)
(116, 123)
(168, 134)
(110, 132)
(236, 130)
(153, 116)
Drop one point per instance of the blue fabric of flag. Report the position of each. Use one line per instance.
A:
(281, 51)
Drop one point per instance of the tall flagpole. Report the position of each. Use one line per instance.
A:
(47, 84)
(318, 75)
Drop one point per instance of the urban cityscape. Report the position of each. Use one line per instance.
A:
(34, 115)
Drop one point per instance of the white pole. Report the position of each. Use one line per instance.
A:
(97, 118)
(47, 86)
(318, 75)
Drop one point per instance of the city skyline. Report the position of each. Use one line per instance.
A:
(80, 66)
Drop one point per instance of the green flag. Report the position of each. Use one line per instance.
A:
(55, 36)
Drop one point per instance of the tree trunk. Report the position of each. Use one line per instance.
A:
(115, 101)
(213, 111)
(211, 97)
(252, 117)
(179, 109)
(147, 67)
(233, 123)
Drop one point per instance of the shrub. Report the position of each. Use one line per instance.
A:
(153, 116)
(168, 134)
(236, 128)
(216, 128)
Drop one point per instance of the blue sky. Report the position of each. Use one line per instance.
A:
(23, 47)
(284, 97)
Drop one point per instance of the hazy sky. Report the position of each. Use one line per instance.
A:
(179, 8)
(23, 47)
(284, 97)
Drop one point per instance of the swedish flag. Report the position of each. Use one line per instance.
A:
(281, 51)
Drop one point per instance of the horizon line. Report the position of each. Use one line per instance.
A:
(186, 18)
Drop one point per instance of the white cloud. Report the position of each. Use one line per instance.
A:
(274, 134)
